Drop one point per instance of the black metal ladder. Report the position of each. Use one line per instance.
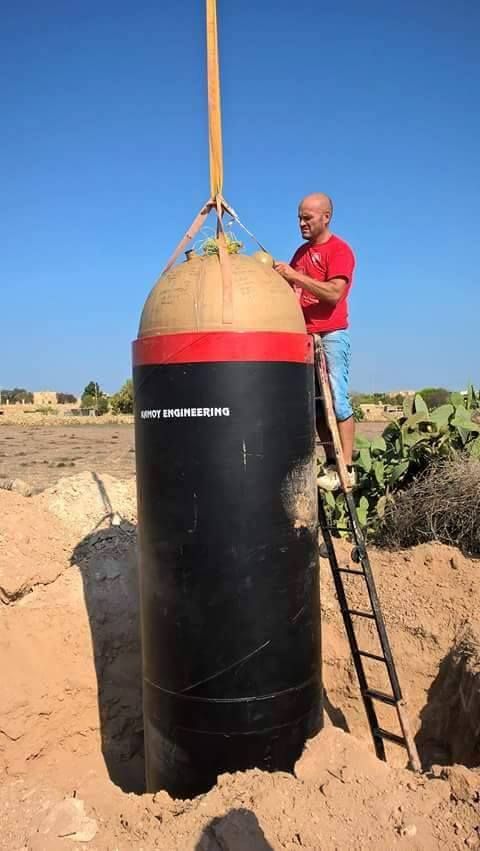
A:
(362, 571)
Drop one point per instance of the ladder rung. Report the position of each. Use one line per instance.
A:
(381, 696)
(349, 570)
(371, 656)
(336, 528)
(390, 737)
(361, 614)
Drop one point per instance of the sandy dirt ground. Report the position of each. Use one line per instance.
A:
(71, 745)
(41, 454)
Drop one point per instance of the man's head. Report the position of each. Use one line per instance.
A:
(314, 215)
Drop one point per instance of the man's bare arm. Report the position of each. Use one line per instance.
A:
(327, 291)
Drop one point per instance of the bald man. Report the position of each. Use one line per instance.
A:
(321, 273)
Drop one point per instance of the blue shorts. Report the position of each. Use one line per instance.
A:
(336, 345)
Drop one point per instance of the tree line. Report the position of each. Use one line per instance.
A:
(93, 397)
(433, 396)
(120, 403)
(19, 395)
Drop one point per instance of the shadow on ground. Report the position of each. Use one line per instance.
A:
(450, 725)
(334, 713)
(106, 558)
(239, 830)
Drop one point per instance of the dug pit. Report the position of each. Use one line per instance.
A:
(71, 722)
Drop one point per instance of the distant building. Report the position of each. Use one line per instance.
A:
(406, 393)
(43, 398)
(379, 412)
(373, 412)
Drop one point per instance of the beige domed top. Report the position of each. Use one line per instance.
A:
(190, 298)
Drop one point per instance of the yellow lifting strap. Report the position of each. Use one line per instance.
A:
(214, 105)
(216, 201)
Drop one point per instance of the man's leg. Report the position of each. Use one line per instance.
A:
(346, 429)
(336, 346)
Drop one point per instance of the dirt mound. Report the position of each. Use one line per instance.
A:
(17, 486)
(341, 797)
(70, 719)
(34, 546)
(88, 501)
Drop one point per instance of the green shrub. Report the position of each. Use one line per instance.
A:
(434, 396)
(122, 402)
(389, 463)
(358, 414)
(94, 397)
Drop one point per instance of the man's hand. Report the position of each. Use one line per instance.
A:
(285, 271)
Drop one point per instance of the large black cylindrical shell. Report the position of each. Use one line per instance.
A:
(228, 568)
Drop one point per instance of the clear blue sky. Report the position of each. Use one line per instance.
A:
(103, 163)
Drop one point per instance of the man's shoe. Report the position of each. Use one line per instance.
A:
(351, 479)
(330, 480)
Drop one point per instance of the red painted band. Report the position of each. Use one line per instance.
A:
(221, 346)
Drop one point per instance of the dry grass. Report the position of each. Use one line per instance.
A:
(441, 505)
(56, 418)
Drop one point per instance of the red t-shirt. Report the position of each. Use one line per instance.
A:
(331, 259)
